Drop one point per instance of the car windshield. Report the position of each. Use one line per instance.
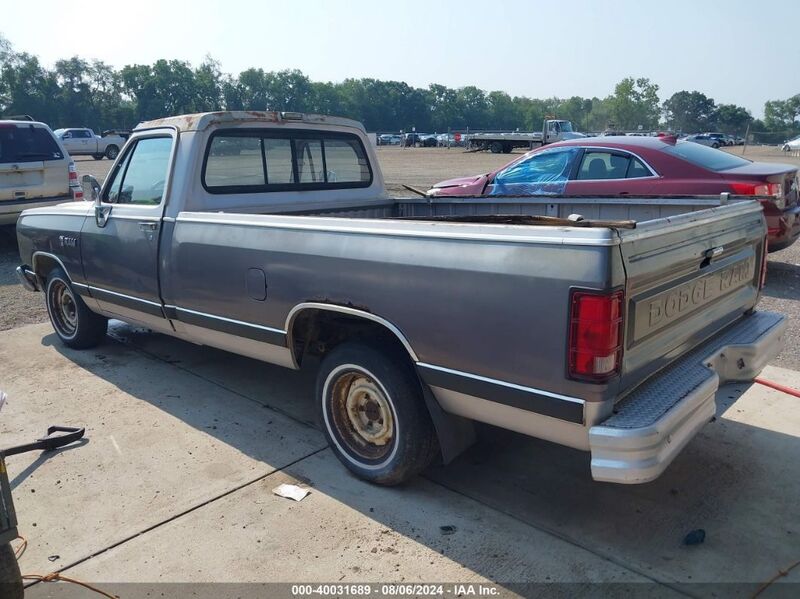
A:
(703, 156)
(566, 126)
(26, 143)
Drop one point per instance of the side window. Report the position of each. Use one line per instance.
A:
(310, 165)
(547, 166)
(637, 170)
(142, 176)
(278, 155)
(234, 160)
(346, 162)
(598, 165)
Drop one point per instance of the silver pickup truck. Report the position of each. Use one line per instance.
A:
(270, 235)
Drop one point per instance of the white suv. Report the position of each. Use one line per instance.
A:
(35, 169)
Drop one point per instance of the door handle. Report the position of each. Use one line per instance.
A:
(148, 226)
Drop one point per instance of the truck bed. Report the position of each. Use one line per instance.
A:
(621, 208)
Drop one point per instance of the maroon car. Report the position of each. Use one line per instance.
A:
(611, 166)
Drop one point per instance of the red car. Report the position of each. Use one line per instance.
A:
(603, 166)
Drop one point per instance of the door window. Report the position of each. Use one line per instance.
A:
(142, 174)
(597, 165)
(545, 172)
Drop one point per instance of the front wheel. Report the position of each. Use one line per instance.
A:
(76, 325)
(374, 414)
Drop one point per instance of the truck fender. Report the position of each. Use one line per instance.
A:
(455, 433)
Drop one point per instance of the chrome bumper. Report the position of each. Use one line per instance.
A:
(27, 278)
(657, 419)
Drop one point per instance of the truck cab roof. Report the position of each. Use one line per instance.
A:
(203, 120)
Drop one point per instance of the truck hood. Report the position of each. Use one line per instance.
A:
(572, 135)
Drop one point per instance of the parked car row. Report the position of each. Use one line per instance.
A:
(715, 140)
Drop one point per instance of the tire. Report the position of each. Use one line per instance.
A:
(111, 152)
(76, 325)
(97, 156)
(715, 145)
(373, 414)
(507, 148)
(496, 147)
(10, 577)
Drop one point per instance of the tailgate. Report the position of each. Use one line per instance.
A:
(686, 278)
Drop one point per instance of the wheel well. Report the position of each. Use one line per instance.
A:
(43, 265)
(315, 332)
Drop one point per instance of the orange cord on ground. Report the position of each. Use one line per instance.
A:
(55, 576)
(780, 573)
(777, 387)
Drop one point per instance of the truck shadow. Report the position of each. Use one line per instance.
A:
(738, 481)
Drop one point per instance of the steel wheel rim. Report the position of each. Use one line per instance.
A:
(63, 309)
(362, 415)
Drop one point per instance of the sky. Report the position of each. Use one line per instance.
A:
(736, 51)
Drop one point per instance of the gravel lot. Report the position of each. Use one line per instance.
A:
(421, 168)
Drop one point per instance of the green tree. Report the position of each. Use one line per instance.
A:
(635, 102)
(689, 111)
(732, 119)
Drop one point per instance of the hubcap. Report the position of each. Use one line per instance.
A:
(362, 415)
(63, 309)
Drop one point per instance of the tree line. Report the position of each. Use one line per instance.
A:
(80, 92)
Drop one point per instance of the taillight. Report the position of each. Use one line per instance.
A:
(595, 335)
(760, 189)
(762, 281)
(75, 187)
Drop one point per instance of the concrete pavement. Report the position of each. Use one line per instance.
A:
(185, 444)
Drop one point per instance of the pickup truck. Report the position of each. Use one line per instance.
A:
(84, 142)
(270, 235)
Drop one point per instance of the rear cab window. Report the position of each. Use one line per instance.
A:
(705, 157)
(263, 160)
(27, 143)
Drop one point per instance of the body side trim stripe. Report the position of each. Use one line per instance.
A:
(231, 326)
(526, 398)
(127, 301)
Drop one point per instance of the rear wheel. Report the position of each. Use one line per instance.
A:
(97, 156)
(496, 147)
(112, 152)
(76, 325)
(715, 145)
(374, 415)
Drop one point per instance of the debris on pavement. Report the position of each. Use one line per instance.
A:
(695, 537)
(291, 492)
(448, 529)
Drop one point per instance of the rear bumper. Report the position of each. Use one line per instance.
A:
(657, 419)
(11, 209)
(27, 278)
(783, 229)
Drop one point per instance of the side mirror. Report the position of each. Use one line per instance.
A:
(91, 189)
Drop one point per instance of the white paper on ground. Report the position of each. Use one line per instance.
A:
(291, 492)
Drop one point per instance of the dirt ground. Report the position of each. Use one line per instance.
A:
(421, 168)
